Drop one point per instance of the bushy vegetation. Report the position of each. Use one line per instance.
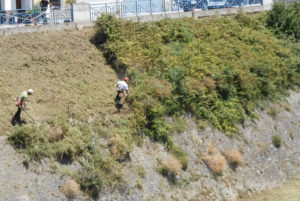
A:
(216, 69)
(77, 144)
(284, 19)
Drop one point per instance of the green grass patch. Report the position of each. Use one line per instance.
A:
(277, 141)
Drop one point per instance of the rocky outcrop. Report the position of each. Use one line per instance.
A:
(263, 166)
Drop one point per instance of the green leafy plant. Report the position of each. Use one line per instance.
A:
(90, 181)
(277, 141)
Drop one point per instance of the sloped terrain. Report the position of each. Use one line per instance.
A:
(74, 128)
(19, 184)
(67, 73)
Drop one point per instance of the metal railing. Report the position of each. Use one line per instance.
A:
(23, 17)
(146, 7)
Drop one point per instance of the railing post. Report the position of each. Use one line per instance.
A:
(136, 9)
(90, 8)
(106, 8)
(72, 12)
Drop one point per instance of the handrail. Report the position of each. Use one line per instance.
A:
(35, 16)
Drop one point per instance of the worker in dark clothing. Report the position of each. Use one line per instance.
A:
(44, 6)
(21, 104)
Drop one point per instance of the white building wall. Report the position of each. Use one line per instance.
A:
(8, 5)
(268, 2)
(26, 4)
(11, 4)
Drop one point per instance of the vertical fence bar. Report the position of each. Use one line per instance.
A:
(136, 8)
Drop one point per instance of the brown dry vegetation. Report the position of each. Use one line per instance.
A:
(211, 148)
(216, 163)
(172, 164)
(55, 134)
(67, 73)
(234, 156)
(71, 189)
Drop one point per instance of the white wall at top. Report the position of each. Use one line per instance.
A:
(267, 2)
(11, 4)
(8, 4)
(26, 4)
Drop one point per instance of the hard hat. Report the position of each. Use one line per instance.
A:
(30, 91)
(126, 78)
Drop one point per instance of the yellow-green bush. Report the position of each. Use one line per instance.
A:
(215, 69)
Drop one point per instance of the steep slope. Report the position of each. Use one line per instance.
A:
(115, 155)
(19, 184)
(67, 73)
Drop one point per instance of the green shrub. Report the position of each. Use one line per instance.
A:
(26, 137)
(216, 73)
(284, 19)
(276, 140)
(90, 181)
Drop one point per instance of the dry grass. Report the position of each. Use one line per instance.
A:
(209, 82)
(172, 164)
(286, 106)
(55, 134)
(71, 189)
(211, 148)
(274, 111)
(65, 71)
(216, 163)
(234, 156)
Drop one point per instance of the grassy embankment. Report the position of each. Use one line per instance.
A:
(216, 69)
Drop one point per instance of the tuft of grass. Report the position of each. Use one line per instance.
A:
(71, 189)
(26, 137)
(141, 171)
(91, 182)
(55, 134)
(211, 148)
(216, 163)
(287, 107)
(273, 111)
(277, 141)
(234, 157)
(170, 169)
(181, 156)
(178, 124)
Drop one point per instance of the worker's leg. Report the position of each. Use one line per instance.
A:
(17, 117)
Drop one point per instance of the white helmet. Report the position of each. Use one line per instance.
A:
(30, 91)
